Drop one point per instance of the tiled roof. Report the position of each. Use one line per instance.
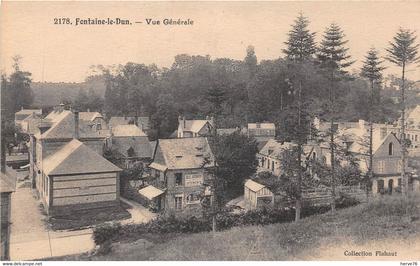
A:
(128, 131)
(140, 146)
(76, 158)
(184, 153)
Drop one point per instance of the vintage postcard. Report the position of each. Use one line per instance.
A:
(210, 131)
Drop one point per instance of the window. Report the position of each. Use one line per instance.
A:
(272, 165)
(193, 198)
(178, 202)
(381, 167)
(314, 156)
(399, 182)
(390, 148)
(178, 179)
(381, 186)
(268, 164)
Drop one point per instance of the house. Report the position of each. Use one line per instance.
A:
(270, 156)
(24, 113)
(143, 122)
(262, 131)
(353, 137)
(76, 177)
(180, 168)
(257, 195)
(7, 187)
(194, 128)
(56, 130)
(94, 120)
(129, 144)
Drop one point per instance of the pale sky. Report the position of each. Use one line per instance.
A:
(221, 29)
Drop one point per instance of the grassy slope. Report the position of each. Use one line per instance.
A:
(391, 224)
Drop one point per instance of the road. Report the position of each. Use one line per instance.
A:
(30, 238)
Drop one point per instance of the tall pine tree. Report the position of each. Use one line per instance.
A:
(300, 50)
(372, 70)
(402, 52)
(333, 58)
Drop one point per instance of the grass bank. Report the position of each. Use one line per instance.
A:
(390, 223)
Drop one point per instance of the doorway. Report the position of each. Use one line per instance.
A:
(390, 185)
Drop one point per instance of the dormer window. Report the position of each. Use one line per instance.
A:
(390, 148)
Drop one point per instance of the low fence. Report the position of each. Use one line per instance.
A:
(323, 196)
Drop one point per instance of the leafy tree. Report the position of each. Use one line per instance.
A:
(372, 70)
(165, 120)
(333, 59)
(402, 52)
(235, 156)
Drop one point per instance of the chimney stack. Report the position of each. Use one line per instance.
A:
(76, 124)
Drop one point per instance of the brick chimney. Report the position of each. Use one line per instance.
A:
(76, 124)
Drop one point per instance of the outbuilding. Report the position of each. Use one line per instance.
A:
(77, 177)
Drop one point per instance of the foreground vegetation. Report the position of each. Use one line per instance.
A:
(391, 223)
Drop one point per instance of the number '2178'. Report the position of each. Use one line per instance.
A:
(59, 21)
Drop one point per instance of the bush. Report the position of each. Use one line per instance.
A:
(224, 220)
(106, 232)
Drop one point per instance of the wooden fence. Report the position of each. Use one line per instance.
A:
(323, 196)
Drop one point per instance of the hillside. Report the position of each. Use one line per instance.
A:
(52, 93)
(391, 224)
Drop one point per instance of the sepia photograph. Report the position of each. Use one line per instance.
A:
(212, 131)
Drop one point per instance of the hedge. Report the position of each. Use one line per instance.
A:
(224, 220)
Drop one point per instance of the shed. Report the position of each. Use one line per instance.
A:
(257, 195)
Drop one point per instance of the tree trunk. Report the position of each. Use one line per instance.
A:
(300, 140)
(332, 151)
(404, 177)
(370, 174)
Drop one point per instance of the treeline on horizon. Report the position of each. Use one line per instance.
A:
(236, 92)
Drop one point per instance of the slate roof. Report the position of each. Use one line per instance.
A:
(89, 116)
(76, 158)
(150, 192)
(274, 148)
(262, 126)
(194, 125)
(254, 186)
(62, 126)
(142, 121)
(184, 153)
(7, 181)
(140, 145)
(227, 131)
(128, 131)
(22, 114)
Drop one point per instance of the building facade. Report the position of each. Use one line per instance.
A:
(180, 169)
